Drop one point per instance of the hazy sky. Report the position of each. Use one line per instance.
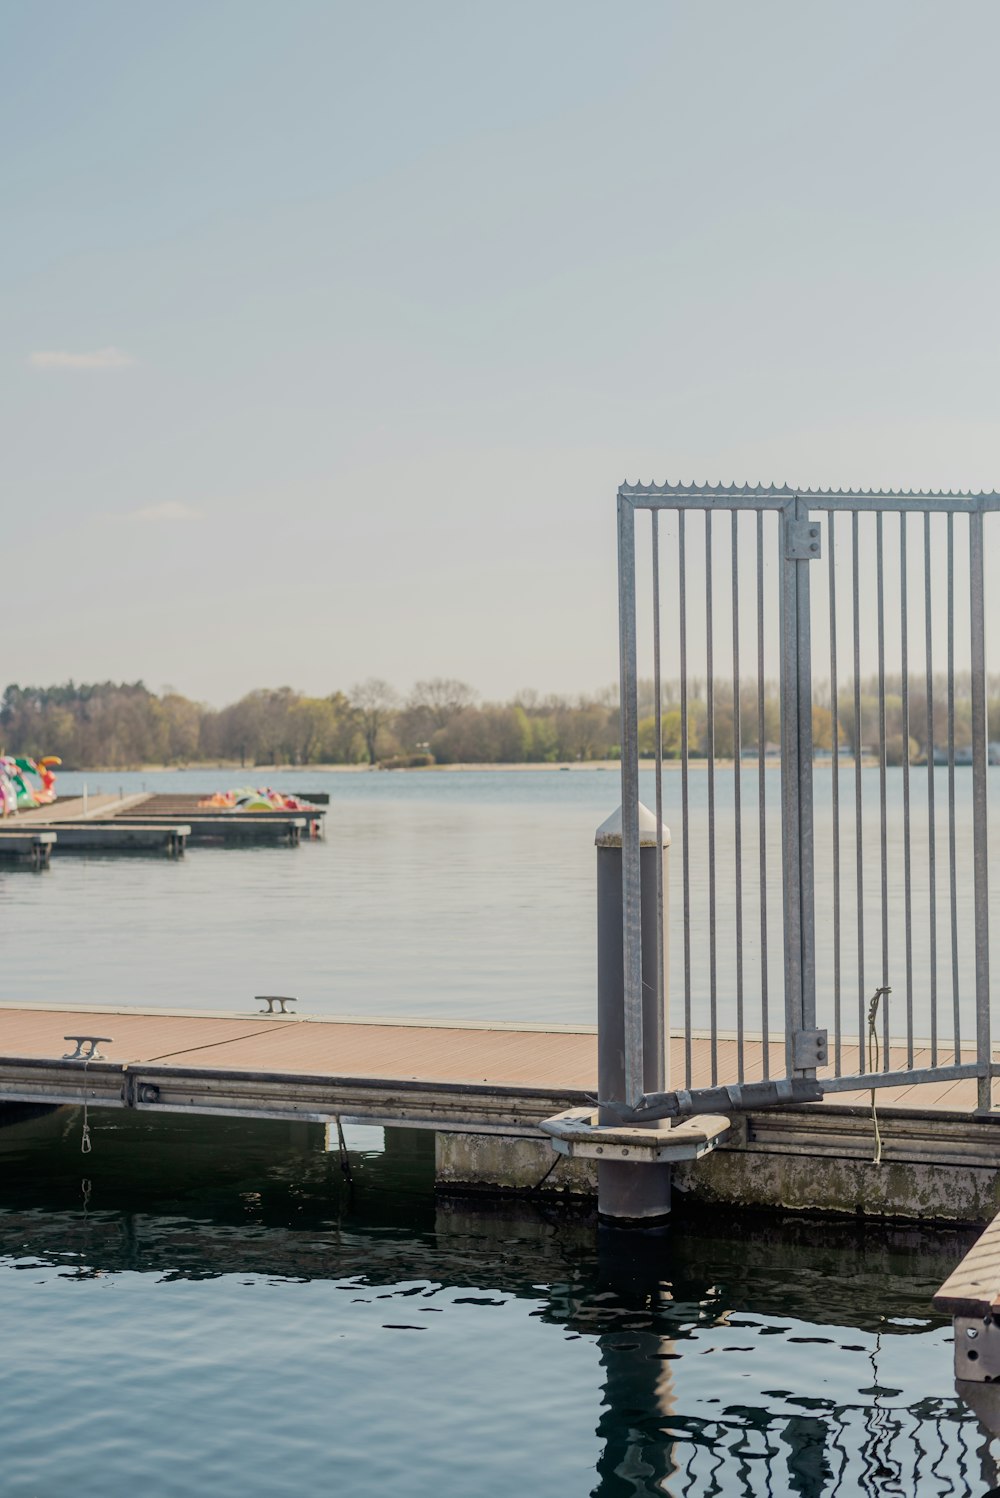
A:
(330, 329)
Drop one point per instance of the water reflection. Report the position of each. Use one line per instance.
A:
(725, 1357)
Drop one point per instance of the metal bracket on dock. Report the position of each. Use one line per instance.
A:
(977, 1349)
(135, 1091)
(270, 999)
(578, 1134)
(93, 1041)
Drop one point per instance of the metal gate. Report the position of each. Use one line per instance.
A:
(848, 939)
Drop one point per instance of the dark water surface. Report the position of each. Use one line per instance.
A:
(229, 1315)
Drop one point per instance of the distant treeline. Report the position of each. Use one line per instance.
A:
(441, 721)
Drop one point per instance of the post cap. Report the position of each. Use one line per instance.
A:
(609, 834)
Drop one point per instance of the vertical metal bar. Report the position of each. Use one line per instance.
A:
(790, 808)
(858, 827)
(980, 843)
(710, 726)
(807, 908)
(737, 794)
(835, 792)
(883, 819)
(659, 1041)
(762, 805)
(685, 800)
(931, 825)
(631, 887)
(907, 861)
(952, 863)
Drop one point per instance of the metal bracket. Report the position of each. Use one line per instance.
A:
(977, 1349)
(578, 1134)
(93, 1041)
(135, 1091)
(802, 540)
(809, 1049)
(270, 999)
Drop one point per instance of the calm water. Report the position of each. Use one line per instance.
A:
(471, 894)
(228, 1315)
(218, 1310)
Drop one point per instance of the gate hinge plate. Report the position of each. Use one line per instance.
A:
(809, 1049)
(802, 541)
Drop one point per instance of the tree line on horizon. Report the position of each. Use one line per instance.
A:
(113, 725)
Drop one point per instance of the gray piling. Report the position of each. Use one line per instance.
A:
(628, 1193)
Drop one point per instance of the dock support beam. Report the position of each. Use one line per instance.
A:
(628, 1193)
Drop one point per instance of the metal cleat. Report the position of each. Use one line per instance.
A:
(270, 999)
(82, 1041)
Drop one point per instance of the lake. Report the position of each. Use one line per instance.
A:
(471, 894)
(213, 1307)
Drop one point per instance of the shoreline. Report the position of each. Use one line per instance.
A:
(251, 773)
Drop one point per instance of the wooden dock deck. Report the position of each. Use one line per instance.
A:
(475, 1057)
(295, 1067)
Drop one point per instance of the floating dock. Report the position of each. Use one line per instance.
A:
(210, 824)
(160, 824)
(484, 1089)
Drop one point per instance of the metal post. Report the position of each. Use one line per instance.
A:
(796, 787)
(980, 846)
(807, 917)
(626, 1192)
(632, 940)
(792, 891)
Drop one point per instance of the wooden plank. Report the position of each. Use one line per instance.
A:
(74, 808)
(384, 1050)
(973, 1289)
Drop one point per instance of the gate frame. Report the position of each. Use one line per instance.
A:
(804, 1045)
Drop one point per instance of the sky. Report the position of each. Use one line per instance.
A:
(329, 330)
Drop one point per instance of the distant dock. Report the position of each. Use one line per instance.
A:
(146, 823)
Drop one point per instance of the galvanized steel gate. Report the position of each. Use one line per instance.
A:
(881, 909)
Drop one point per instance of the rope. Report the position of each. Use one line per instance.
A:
(539, 1184)
(345, 1159)
(873, 1063)
(85, 1144)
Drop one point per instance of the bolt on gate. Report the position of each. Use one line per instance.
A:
(821, 652)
